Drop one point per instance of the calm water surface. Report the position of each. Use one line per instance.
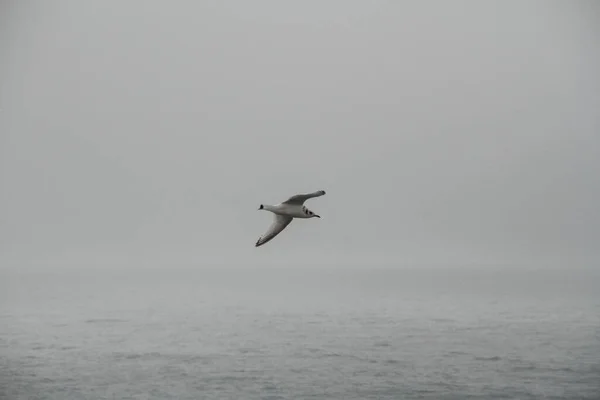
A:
(248, 333)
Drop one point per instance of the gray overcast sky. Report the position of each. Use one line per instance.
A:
(148, 132)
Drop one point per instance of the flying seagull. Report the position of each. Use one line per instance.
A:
(285, 212)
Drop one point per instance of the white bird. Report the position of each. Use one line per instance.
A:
(285, 212)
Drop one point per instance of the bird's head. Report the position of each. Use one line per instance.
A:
(312, 214)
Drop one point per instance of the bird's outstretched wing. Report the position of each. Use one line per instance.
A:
(301, 198)
(279, 224)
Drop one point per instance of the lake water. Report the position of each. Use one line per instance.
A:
(266, 333)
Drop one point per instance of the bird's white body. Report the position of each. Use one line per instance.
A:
(290, 210)
(285, 212)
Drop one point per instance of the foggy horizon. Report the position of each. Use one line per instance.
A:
(147, 134)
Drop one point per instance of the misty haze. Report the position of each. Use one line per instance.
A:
(457, 253)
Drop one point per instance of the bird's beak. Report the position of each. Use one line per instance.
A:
(318, 216)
